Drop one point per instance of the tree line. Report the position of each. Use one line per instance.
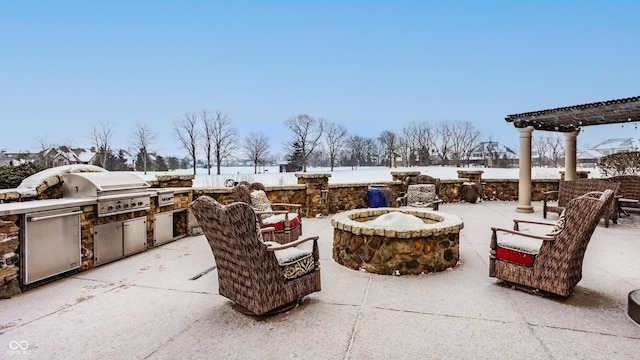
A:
(313, 142)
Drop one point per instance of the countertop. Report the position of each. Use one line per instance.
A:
(23, 207)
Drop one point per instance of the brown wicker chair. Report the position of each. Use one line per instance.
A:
(551, 263)
(285, 218)
(629, 189)
(249, 271)
(568, 190)
(403, 197)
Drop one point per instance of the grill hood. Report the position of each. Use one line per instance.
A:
(98, 184)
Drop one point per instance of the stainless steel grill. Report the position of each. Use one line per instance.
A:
(115, 192)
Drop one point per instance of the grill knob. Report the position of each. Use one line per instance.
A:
(139, 203)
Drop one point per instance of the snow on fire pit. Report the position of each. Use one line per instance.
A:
(396, 241)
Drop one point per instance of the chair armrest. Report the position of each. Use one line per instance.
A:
(292, 244)
(516, 223)
(546, 194)
(273, 212)
(271, 230)
(515, 232)
(297, 207)
(287, 205)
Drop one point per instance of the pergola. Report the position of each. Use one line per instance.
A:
(568, 120)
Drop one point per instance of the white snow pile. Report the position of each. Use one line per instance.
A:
(396, 220)
(30, 184)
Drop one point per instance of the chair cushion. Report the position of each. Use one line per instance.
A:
(293, 261)
(260, 201)
(518, 249)
(277, 221)
(559, 226)
(421, 193)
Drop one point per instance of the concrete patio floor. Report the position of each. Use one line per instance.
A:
(146, 307)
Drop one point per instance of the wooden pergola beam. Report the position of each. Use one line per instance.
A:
(572, 118)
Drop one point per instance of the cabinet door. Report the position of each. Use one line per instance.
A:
(163, 228)
(51, 244)
(134, 235)
(107, 243)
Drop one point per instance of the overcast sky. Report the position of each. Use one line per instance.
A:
(67, 66)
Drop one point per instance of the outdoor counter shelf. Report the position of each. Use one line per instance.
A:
(18, 208)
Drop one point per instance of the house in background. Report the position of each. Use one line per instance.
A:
(590, 157)
(613, 146)
(13, 158)
(64, 155)
(492, 154)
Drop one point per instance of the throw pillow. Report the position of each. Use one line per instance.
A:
(258, 231)
(559, 226)
(421, 193)
(260, 202)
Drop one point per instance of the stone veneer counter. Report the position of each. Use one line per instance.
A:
(396, 250)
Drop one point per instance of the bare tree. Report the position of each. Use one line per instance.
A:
(141, 139)
(306, 135)
(187, 133)
(256, 147)
(420, 135)
(335, 138)
(219, 137)
(442, 143)
(412, 144)
(43, 154)
(355, 147)
(389, 142)
(556, 147)
(101, 138)
(540, 144)
(463, 138)
(373, 152)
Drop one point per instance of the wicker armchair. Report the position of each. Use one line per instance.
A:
(252, 273)
(568, 190)
(629, 187)
(285, 218)
(550, 263)
(412, 184)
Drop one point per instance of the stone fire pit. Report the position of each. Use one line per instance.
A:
(396, 241)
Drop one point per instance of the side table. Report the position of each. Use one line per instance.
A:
(623, 201)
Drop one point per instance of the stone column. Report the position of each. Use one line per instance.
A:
(401, 175)
(9, 243)
(524, 183)
(315, 183)
(570, 155)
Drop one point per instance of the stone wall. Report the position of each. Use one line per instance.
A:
(308, 192)
(9, 243)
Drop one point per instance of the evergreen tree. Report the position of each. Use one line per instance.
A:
(161, 165)
(173, 163)
(140, 161)
(113, 163)
(296, 158)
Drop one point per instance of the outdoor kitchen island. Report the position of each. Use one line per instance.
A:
(74, 218)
